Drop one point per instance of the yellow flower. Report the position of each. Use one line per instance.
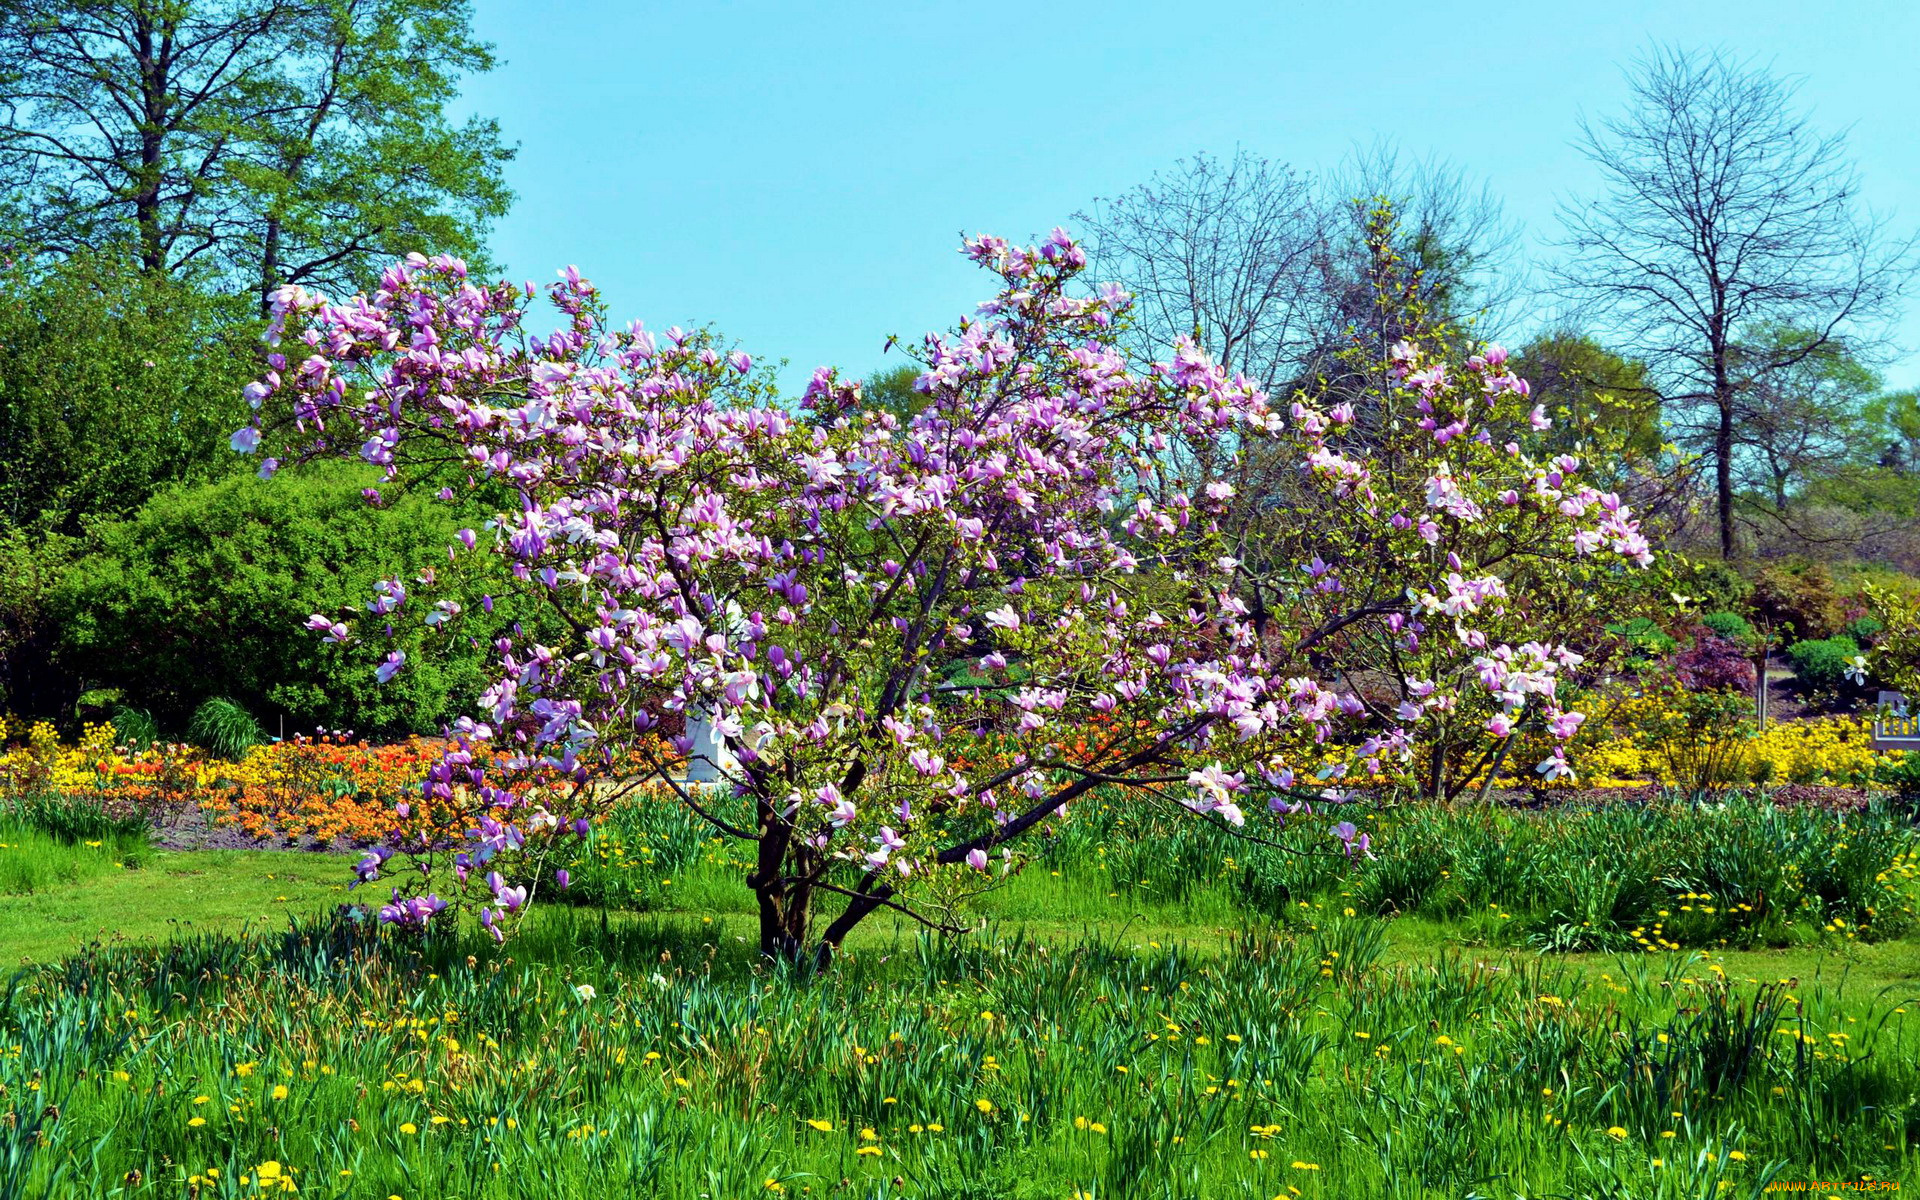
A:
(279, 1091)
(1617, 1133)
(984, 1105)
(822, 1126)
(1305, 1166)
(196, 1122)
(409, 1128)
(243, 1069)
(868, 1151)
(868, 1135)
(1737, 1155)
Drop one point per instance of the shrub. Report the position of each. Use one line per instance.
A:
(1698, 736)
(1715, 663)
(224, 729)
(1865, 630)
(1644, 637)
(1903, 779)
(1822, 663)
(1711, 584)
(1804, 602)
(134, 727)
(1729, 625)
(203, 593)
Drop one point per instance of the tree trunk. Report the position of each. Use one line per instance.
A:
(783, 922)
(783, 901)
(857, 909)
(1723, 459)
(154, 103)
(269, 265)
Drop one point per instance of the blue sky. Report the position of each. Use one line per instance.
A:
(798, 174)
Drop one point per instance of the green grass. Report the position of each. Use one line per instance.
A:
(1187, 1022)
(1330, 1047)
(33, 861)
(152, 896)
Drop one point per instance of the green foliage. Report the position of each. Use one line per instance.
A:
(134, 728)
(1803, 602)
(1644, 637)
(1729, 625)
(224, 729)
(1896, 654)
(1710, 585)
(30, 565)
(1864, 630)
(1894, 420)
(204, 593)
(892, 389)
(1903, 778)
(1593, 395)
(1803, 413)
(254, 141)
(112, 385)
(1822, 663)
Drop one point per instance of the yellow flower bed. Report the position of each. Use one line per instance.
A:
(1827, 750)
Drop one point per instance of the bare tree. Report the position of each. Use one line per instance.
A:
(1453, 235)
(1270, 269)
(1724, 210)
(1221, 250)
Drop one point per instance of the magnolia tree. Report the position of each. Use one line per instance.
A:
(853, 603)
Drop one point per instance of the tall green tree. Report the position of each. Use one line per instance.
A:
(265, 141)
(113, 383)
(1894, 422)
(1586, 386)
(1798, 421)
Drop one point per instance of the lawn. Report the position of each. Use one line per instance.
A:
(1098, 1039)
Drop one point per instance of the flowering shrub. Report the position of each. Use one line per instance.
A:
(842, 594)
(1895, 660)
(1642, 747)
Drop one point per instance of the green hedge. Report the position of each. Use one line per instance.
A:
(1822, 663)
(204, 591)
